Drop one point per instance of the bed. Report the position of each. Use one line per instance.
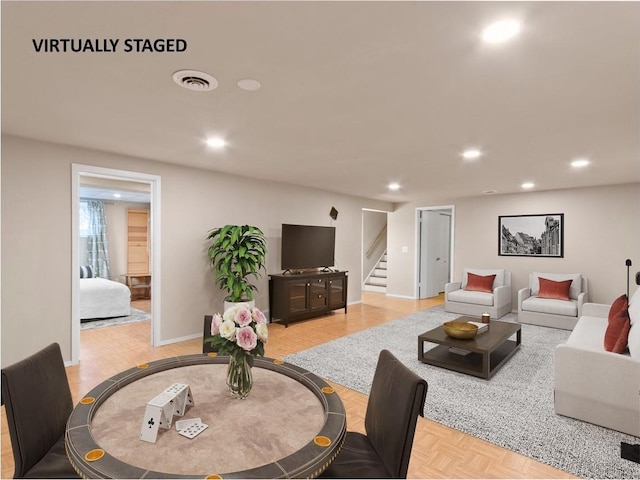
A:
(102, 298)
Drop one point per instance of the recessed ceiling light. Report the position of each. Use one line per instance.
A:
(216, 142)
(249, 84)
(471, 154)
(393, 186)
(116, 195)
(501, 31)
(528, 185)
(579, 163)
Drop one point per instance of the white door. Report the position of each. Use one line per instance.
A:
(435, 252)
(443, 246)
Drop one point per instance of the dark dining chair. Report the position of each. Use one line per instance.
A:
(37, 399)
(396, 399)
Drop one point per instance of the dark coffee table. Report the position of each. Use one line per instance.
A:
(488, 351)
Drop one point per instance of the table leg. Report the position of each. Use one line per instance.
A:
(486, 364)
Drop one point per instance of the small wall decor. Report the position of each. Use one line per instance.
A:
(531, 235)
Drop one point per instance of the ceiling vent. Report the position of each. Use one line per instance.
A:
(195, 80)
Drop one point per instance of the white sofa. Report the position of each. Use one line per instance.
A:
(594, 385)
(466, 302)
(550, 312)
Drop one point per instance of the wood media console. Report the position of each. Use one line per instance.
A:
(299, 296)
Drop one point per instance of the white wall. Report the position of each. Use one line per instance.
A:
(36, 238)
(601, 230)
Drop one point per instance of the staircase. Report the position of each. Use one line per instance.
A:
(377, 279)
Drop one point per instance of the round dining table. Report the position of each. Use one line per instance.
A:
(292, 424)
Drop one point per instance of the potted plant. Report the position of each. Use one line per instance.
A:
(236, 253)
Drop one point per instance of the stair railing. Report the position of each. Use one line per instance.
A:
(377, 240)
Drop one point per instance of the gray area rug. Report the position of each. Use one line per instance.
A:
(135, 316)
(513, 410)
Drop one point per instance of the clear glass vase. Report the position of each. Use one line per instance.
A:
(239, 379)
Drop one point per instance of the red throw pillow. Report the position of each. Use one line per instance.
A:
(552, 289)
(479, 283)
(617, 334)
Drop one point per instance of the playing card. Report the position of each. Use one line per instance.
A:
(192, 430)
(183, 424)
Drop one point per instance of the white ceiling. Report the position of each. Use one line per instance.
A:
(354, 94)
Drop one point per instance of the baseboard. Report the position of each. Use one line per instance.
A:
(408, 297)
(180, 339)
(374, 288)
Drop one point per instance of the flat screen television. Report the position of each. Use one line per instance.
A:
(307, 246)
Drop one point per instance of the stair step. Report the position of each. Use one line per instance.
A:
(374, 288)
(377, 280)
(382, 265)
(379, 272)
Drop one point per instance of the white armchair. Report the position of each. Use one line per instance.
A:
(470, 302)
(549, 312)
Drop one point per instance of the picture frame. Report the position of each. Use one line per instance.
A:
(531, 235)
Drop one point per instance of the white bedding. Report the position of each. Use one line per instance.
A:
(102, 298)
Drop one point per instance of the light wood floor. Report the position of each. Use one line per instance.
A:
(438, 451)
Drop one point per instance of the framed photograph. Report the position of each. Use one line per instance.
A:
(531, 235)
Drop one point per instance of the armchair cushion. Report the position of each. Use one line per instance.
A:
(552, 289)
(550, 305)
(480, 283)
(574, 290)
(472, 297)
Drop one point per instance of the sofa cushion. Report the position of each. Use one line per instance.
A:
(633, 341)
(549, 305)
(617, 333)
(470, 296)
(634, 308)
(574, 290)
(499, 273)
(552, 289)
(588, 334)
(480, 283)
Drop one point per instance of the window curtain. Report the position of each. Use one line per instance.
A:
(97, 243)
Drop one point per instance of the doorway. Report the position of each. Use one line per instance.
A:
(435, 246)
(374, 250)
(83, 174)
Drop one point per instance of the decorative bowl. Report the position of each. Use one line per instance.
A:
(460, 330)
